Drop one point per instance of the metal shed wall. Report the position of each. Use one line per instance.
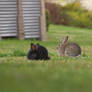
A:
(9, 16)
(31, 13)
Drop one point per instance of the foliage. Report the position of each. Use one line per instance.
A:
(79, 19)
(55, 17)
(47, 19)
(73, 6)
(71, 14)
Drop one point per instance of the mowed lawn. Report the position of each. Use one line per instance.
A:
(60, 74)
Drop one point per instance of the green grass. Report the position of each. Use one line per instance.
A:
(60, 74)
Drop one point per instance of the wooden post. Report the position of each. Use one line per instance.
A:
(20, 20)
(43, 22)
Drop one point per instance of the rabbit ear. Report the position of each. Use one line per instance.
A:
(65, 39)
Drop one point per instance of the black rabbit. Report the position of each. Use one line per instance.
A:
(37, 52)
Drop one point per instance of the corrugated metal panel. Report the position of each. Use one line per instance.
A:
(31, 13)
(8, 18)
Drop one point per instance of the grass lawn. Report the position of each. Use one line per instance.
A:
(60, 74)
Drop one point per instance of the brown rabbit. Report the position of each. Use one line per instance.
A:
(68, 49)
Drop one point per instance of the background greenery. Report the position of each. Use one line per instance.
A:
(71, 14)
(60, 74)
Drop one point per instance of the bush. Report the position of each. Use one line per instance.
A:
(54, 13)
(79, 19)
(71, 14)
(63, 15)
(74, 6)
(72, 17)
(47, 19)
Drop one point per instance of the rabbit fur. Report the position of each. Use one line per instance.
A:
(68, 48)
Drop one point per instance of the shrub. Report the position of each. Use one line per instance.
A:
(85, 21)
(54, 13)
(90, 18)
(79, 19)
(72, 17)
(71, 14)
(63, 15)
(74, 6)
(47, 19)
